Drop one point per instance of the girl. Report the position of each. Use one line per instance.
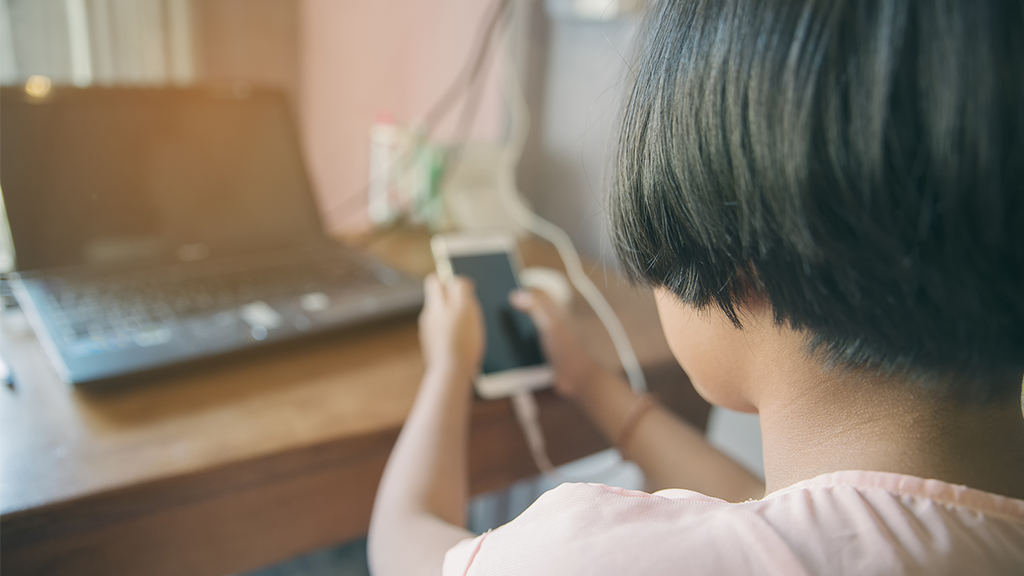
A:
(826, 197)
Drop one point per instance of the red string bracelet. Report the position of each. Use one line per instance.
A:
(640, 407)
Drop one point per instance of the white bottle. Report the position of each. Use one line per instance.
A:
(385, 150)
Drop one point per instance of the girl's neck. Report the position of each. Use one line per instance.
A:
(814, 422)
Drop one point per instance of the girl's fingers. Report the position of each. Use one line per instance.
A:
(521, 300)
(462, 290)
(536, 304)
(432, 289)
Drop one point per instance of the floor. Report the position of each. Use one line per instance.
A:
(346, 560)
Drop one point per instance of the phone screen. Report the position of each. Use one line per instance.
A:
(512, 340)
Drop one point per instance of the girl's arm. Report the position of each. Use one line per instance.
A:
(420, 508)
(670, 451)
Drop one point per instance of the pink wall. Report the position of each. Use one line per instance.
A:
(359, 57)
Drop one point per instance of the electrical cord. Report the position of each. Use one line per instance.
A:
(525, 407)
(509, 194)
(439, 110)
(471, 69)
(508, 191)
(474, 89)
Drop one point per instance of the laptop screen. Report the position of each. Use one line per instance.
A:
(137, 177)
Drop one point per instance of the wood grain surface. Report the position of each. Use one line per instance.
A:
(255, 459)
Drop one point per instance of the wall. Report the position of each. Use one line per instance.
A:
(347, 61)
(252, 40)
(576, 115)
(362, 57)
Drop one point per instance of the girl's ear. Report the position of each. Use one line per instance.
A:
(750, 296)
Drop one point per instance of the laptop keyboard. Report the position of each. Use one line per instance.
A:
(136, 306)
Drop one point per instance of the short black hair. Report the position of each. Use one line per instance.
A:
(859, 164)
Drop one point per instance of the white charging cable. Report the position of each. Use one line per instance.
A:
(524, 404)
(525, 407)
(508, 191)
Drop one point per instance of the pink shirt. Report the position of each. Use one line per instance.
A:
(839, 523)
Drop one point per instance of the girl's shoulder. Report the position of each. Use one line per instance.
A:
(839, 523)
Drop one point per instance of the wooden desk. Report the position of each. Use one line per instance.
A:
(251, 462)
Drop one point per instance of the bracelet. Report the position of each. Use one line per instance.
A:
(640, 407)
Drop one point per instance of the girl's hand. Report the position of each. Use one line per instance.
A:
(575, 371)
(452, 327)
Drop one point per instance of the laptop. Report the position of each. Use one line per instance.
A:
(159, 227)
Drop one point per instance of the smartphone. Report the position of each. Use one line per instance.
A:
(513, 360)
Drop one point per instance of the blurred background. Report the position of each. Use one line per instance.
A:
(346, 66)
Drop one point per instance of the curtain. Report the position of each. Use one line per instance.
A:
(87, 42)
